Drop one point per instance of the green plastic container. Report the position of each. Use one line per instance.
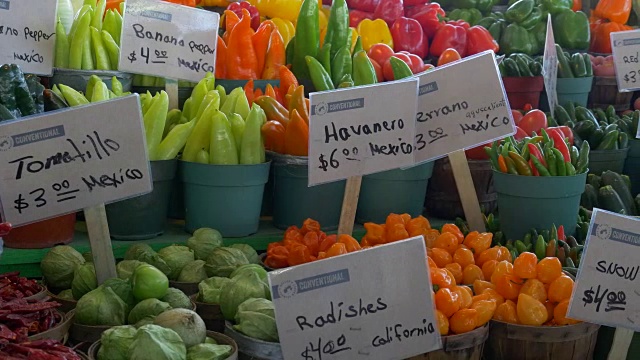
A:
(575, 90)
(293, 199)
(526, 202)
(602, 160)
(632, 165)
(393, 191)
(224, 197)
(145, 216)
(229, 85)
(183, 92)
(176, 202)
(77, 79)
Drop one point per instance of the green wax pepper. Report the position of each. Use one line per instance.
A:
(211, 99)
(200, 137)
(230, 103)
(222, 148)
(251, 146)
(175, 140)
(154, 120)
(238, 126)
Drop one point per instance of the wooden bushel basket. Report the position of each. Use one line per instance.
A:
(467, 346)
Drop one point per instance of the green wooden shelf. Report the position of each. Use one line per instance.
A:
(27, 261)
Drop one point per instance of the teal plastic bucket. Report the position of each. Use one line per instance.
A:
(224, 197)
(78, 79)
(176, 202)
(526, 202)
(575, 90)
(394, 191)
(632, 165)
(293, 199)
(144, 217)
(602, 160)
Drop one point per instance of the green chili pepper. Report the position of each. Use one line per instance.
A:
(560, 166)
(521, 165)
(541, 169)
(324, 57)
(583, 158)
(337, 34)
(307, 38)
(527, 239)
(363, 71)
(341, 65)
(570, 169)
(540, 248)
(551, 162)
(319, 76)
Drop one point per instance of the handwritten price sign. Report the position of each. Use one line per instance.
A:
(355, 132)
(452, 114)
(625, 46)
(28, 36)
(61, 162)
(167, 40)
(343, 308)
(606, 290)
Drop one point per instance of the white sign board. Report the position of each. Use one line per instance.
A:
(550, 67)
(168, 40)
(27, 34)
(371, 304)
(361, 130)
(606, 290)
(454, 114)
(625, 46)
(57, 163)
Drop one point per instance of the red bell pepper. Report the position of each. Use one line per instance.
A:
(363, 5)
(449, 36)
(355, 16)
(479, 39)
(558, 143)
(413, 2)
(408, 36)
(462, 23)
(237, 7)
(535, 151)
(430, 16)
(389, 11)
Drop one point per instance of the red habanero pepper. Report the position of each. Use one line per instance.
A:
(479, 39)
(449, 37)
(558, 143)
(534, 151)
(408, 36)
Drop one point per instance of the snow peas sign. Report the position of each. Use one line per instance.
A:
(168, 40)
(454, 114)
(350, 307)
(61, 162)
(28, 36)
(607, 289)
(625, 46)
(362, 130)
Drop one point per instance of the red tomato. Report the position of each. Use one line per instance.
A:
(520, 134)
(387, 70)
(477, 153)
(517, 116)
(378, 69)
(380, 53)
(534, 120)
(447, 56)
(416, 63)
(428, 67)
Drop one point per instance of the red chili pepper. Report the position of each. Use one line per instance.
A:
(408, 36)
(533, 168)
(558, 143)
(430, 16)
(479, 39)
(449, 37)
(534, 151)
(561, 234)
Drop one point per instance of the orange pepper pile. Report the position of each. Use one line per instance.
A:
(244, 54)
(307, 244)
(398, 227)
(531, 292)
(609, 16)
(287, 128)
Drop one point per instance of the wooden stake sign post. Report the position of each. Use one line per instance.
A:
(606, 290)
(460, 106)
(160, 38)
(80, 158)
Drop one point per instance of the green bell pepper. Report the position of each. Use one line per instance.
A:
(533, 19)
(472, 16)
(516, 39)
(556, 6)
(539, 33)
(571, 30)
(496, 29)
(519, 11)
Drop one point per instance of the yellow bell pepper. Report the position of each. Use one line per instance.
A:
(286, 29)
(374, 32)
(285, 9)
(353, 33)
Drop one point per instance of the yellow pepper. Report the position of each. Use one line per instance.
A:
(286, 29)
(353, 33)
(374, 32)
(285, 9)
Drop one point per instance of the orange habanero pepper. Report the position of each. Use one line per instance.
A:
(349, 242)
(276, 56)
(260, 42)
(296, 137)
(273, 133)
(241, 56)
(336, 249)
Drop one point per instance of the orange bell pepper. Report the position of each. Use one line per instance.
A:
(276, 56)
(241, 56)
(296, 137)
(298, 102)
(601, 36)
(260, 42)
(221, 59)
(273, 133)
(617, 11)
(287, 79)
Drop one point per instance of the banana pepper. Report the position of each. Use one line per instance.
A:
(374, 32)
